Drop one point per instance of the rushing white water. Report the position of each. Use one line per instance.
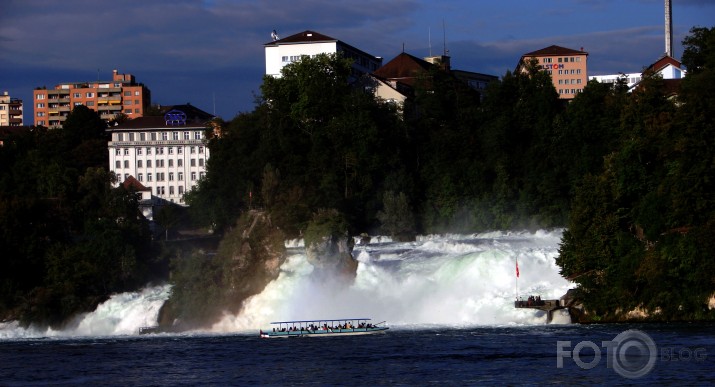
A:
(443, 280)
(121, 314)
(446, 280)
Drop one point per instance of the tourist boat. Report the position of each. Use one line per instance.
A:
(323, 328)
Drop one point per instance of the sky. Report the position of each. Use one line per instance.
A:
(210, 53)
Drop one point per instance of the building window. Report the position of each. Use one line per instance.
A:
(117, 164)
(153, 136)
(89, 95)
(171, 176)
(201, 162)
(160, 163)
(148, 151)
(180, 176)
(193, 149)
(77, 95)
(126, 151)
(171, 189)
(181, 190)
(197, 135)
(148, 163)
(40, 96)
(171, 150)
(193, 162)
(136, 92)
(131, 136)
(164, 136)
(119, 178)
(126, 163)
(193, 176)
(160, 190)
(180, 150)
(142, 136)
(148, 177)
(139, 151)
(140, 176)
(117, 152)
(90, 103)
(41, 105)
(160, 176)
(186, 136)
(171, 163)
(174, 135)
(139, 164)
(180, 163)
(201, 149)
(201, 175)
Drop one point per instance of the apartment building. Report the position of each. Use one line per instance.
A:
(568, 68)
(281, 52)
(120, 95)
(167, 154)
(10, 110)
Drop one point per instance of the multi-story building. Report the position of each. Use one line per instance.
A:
(396, 80)
(281, 52)
(121, 95)
(167, 154)
(10, 110)
(668, 68)
(568, 68)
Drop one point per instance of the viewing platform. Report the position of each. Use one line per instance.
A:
(549, 306)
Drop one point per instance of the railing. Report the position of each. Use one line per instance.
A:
(156, 142)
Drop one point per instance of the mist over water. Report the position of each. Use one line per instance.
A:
(443, 280)
(449, 280)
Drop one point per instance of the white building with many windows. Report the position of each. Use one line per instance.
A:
(167, 154)
(281, 52)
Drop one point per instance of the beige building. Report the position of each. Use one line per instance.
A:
(568, 68)
(10, 110)
(121, 94)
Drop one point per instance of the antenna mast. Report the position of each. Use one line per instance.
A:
(444, 37)
(429, 39)
(668, 28)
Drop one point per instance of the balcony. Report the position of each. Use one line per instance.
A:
(107, 108)
(108, 116)
(114, 99)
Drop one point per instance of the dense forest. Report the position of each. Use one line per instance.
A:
(629, 173)
(69, 238)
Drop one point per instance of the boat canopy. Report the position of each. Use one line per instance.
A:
(315, 321)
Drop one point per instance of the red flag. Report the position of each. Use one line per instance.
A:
(517, 269)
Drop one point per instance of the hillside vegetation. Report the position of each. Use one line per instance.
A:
(629, 174)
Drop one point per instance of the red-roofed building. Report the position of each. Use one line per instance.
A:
(568, 68)
(397, 78)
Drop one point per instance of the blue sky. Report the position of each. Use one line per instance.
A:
(210, 52)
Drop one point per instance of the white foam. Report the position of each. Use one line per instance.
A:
(443, 280)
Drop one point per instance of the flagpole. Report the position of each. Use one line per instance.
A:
(516, 280)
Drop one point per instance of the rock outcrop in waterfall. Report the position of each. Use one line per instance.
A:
(206, 285)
